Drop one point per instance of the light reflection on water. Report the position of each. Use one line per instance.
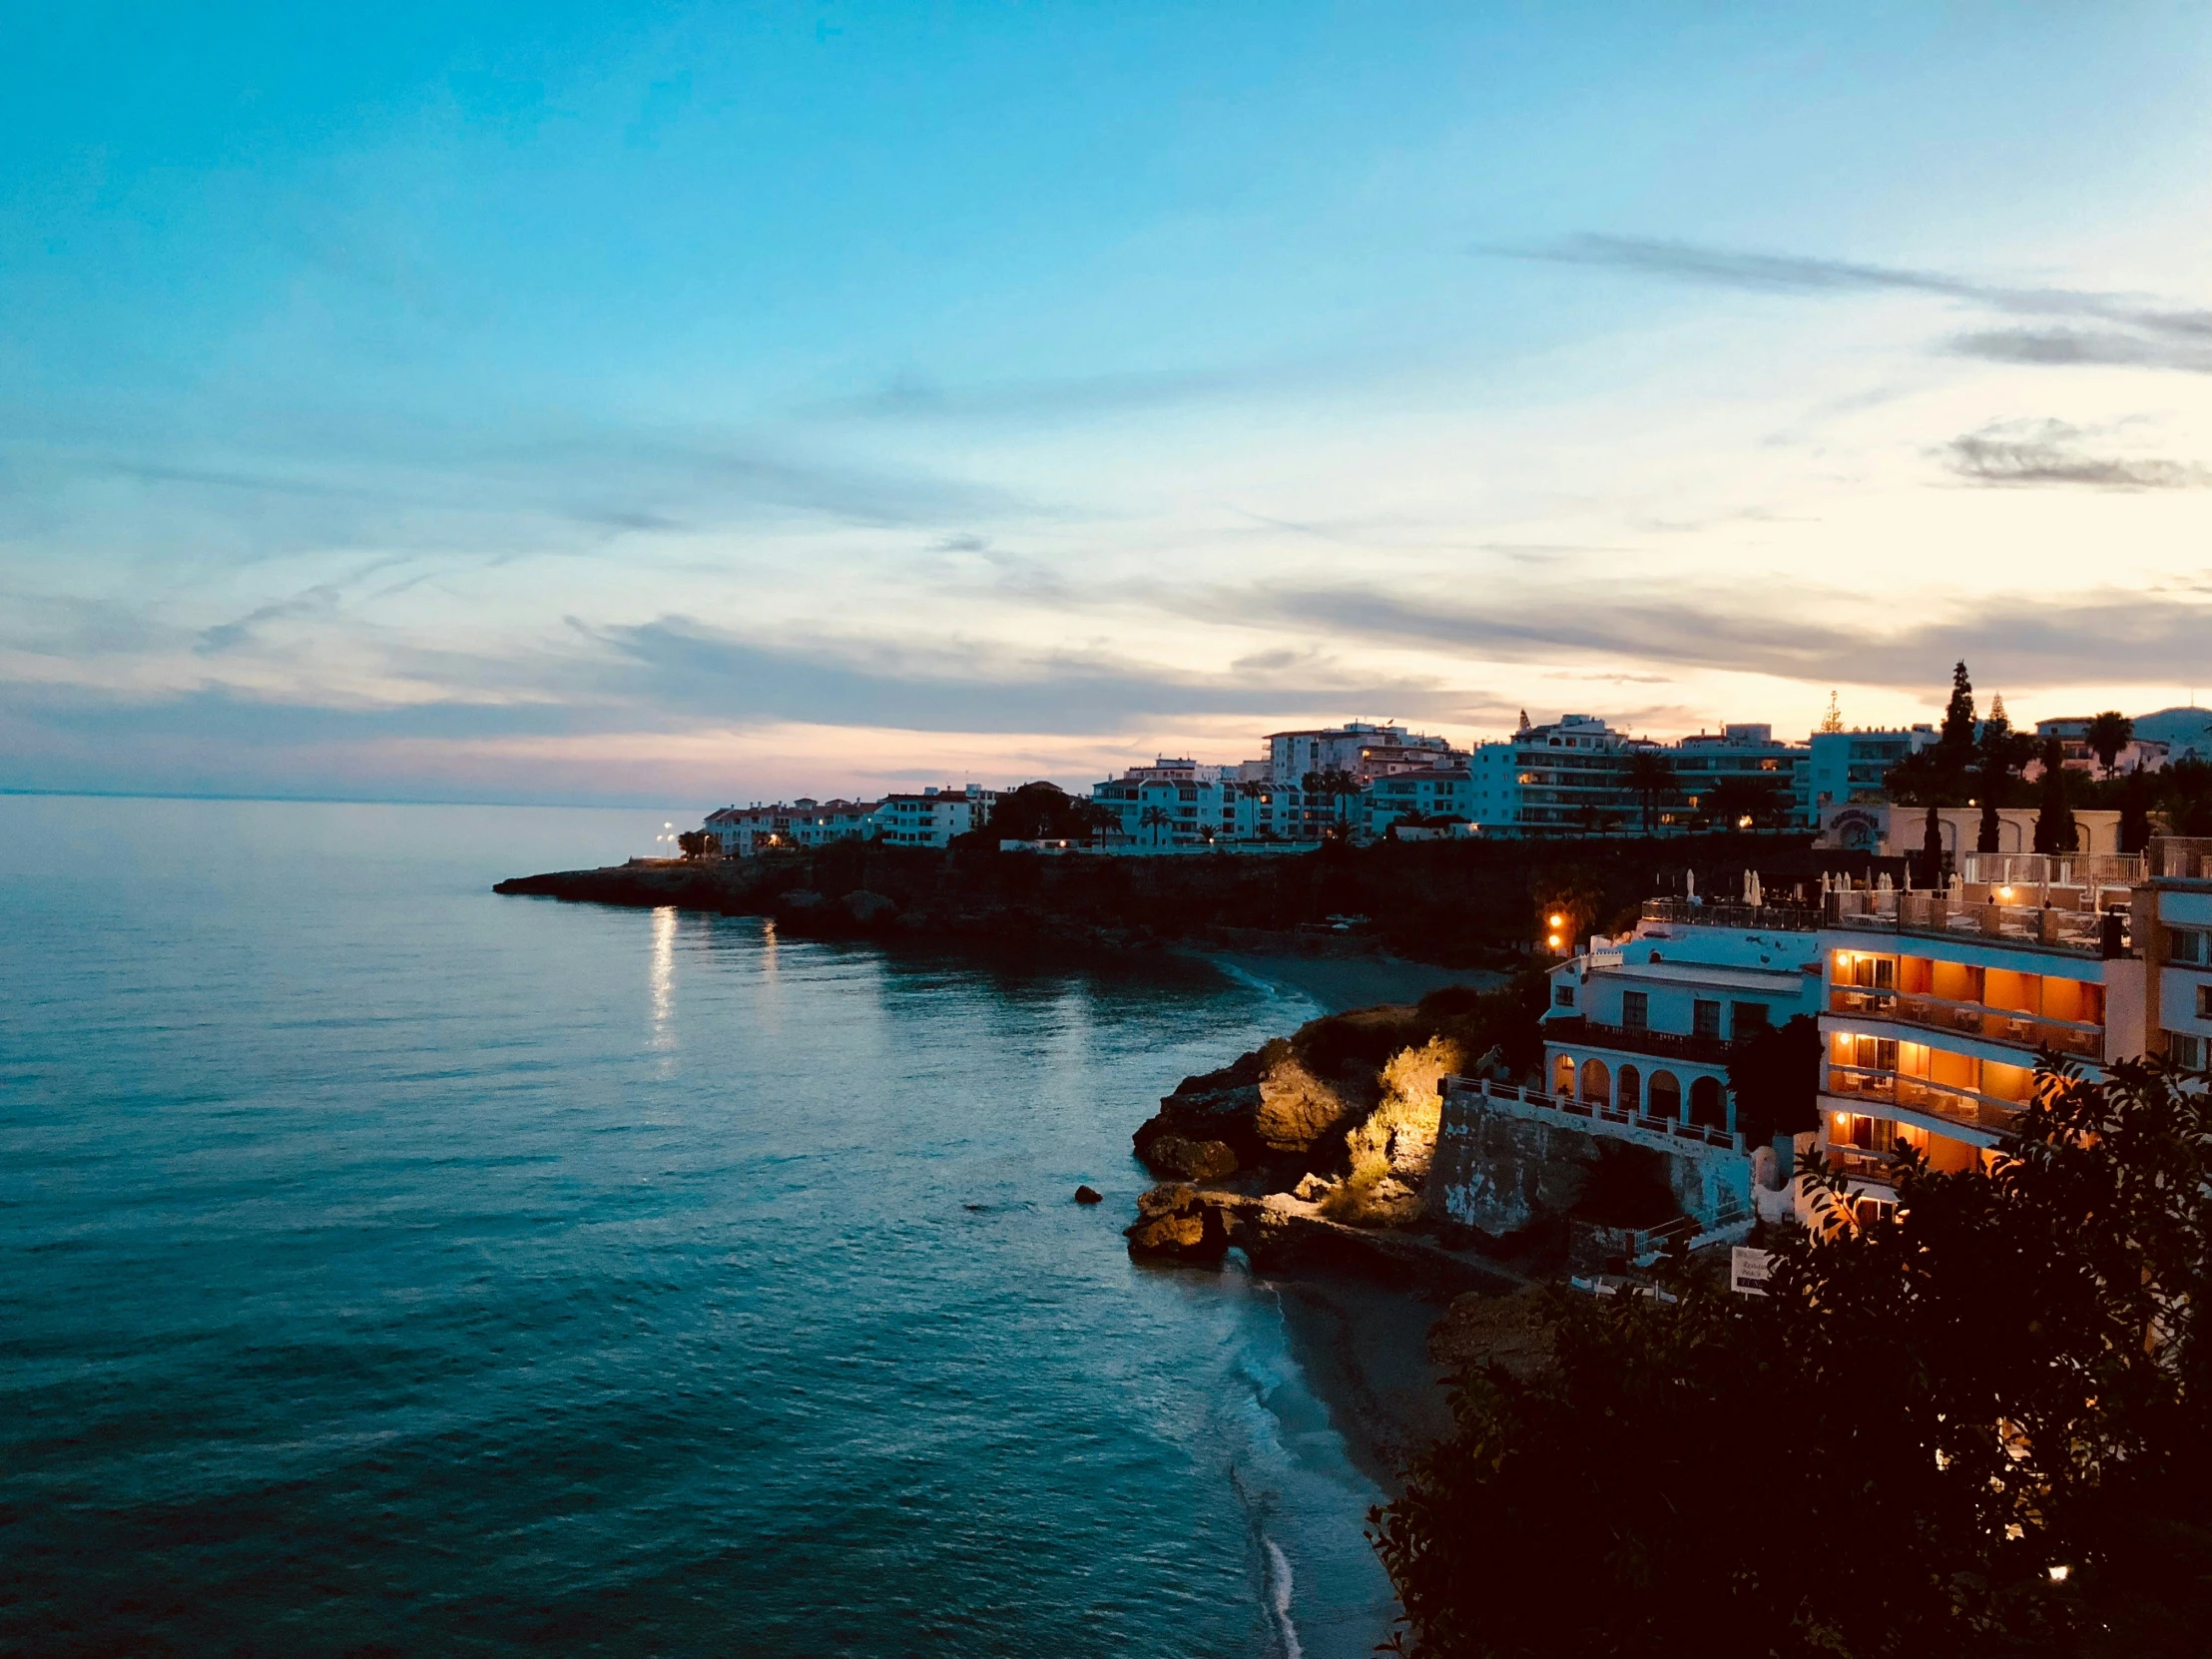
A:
(368, 1280)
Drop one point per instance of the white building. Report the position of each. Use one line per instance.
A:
(1179, 802)
(932, 817)
(1575, 777)
(1440, 797)
(745, 830)
(1847, 767)
(1641, 1028)
(1357, 747)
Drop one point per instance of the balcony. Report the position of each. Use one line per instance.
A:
(1979, 912)
(1787, 918)
(1863, 1166)
(1919, 1094)
(1973, 1019)
(1661, 1134)
(1668, 1045)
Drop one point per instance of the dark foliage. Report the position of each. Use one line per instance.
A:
(2054, 820)
(1775, 1078)
(1977, 1427)
(1039, 811)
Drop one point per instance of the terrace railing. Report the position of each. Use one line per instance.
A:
(1921, 1094)
(2179, 858)
(2066, 922)
(1592, 1117)
(1974, 1020)
(1783, 919)
(1671, 1046)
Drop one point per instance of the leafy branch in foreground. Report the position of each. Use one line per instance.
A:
(1976, 1426)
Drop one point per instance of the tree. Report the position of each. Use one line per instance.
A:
(1155, 819)
(2054, 820)
(2138, 791)
(2108, 734)
(1733, 801)
(697, 843)
(1973, 1426)
(1958, 733)
(1335, 785)
(1039, 811)
(1775, 1077)
(1932, 849)
(2186, 794)
(1650, 775)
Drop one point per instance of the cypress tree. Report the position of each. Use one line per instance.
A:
(2054, 820)
(1958, 722)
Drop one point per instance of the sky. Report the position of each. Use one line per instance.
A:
(716, 403)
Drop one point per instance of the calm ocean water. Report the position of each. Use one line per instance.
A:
(389, 1267)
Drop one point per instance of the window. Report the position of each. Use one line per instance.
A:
(1873, 1053)
(2190, 945)
(2204, 1002)
(1746, 1019)
(1636, 1010)
(2185, 1052)
(1562, 995)
(1706, 1018)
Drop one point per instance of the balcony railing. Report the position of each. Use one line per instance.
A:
(1791, 918)
(1971, 1019)
(1863, 1166)
(1919, 1094)
(1588, 1114)
(1669, 1045)
(2060, 924)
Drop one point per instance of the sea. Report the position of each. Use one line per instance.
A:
(389, 1267)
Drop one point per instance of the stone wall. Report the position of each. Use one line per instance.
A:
(1502, 1168)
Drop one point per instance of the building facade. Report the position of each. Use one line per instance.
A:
(1937, 1004)
(743, 831)
(932, 817)
(2172, 927)
(1580, 777)
(1847, 767)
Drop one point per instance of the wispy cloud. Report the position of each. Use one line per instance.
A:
(2052, 452)
(2139, 331)
(1788, 633)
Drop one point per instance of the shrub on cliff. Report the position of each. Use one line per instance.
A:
(1387, 1155)
(1977, 1427)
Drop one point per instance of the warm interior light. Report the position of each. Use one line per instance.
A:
(2005, 892)
(2058, 1574)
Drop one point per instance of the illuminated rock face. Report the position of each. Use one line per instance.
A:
(1257, 1110)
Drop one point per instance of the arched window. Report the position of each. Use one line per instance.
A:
(1666, 1095)
(1562, 1077)
(1707, 1108)
(1597, 1083)
(1631, 1095)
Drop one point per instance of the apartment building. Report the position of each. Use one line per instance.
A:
(1577, 777)
(1847, 767)
(1936, 1003)
(1364, 750)
(745, 830)
(1437, 797)
(932, 817)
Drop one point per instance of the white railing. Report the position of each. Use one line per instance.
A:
(1594, 1117)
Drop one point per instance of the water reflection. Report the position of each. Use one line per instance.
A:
(662, 977)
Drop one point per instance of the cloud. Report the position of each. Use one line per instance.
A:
(2138, 332)
(909, 395)
(2069, 347)
(680, 664)
(2051, 452)
(2107, 635)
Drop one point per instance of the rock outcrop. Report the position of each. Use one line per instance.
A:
(1176, 1219)
(1266, 1107)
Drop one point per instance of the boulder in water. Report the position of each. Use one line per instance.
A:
(1089, 1195)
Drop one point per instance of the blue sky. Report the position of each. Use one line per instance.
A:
(699, 404)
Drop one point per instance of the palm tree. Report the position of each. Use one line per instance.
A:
(1154, 818)
(1650, 775)
(2107, 735)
